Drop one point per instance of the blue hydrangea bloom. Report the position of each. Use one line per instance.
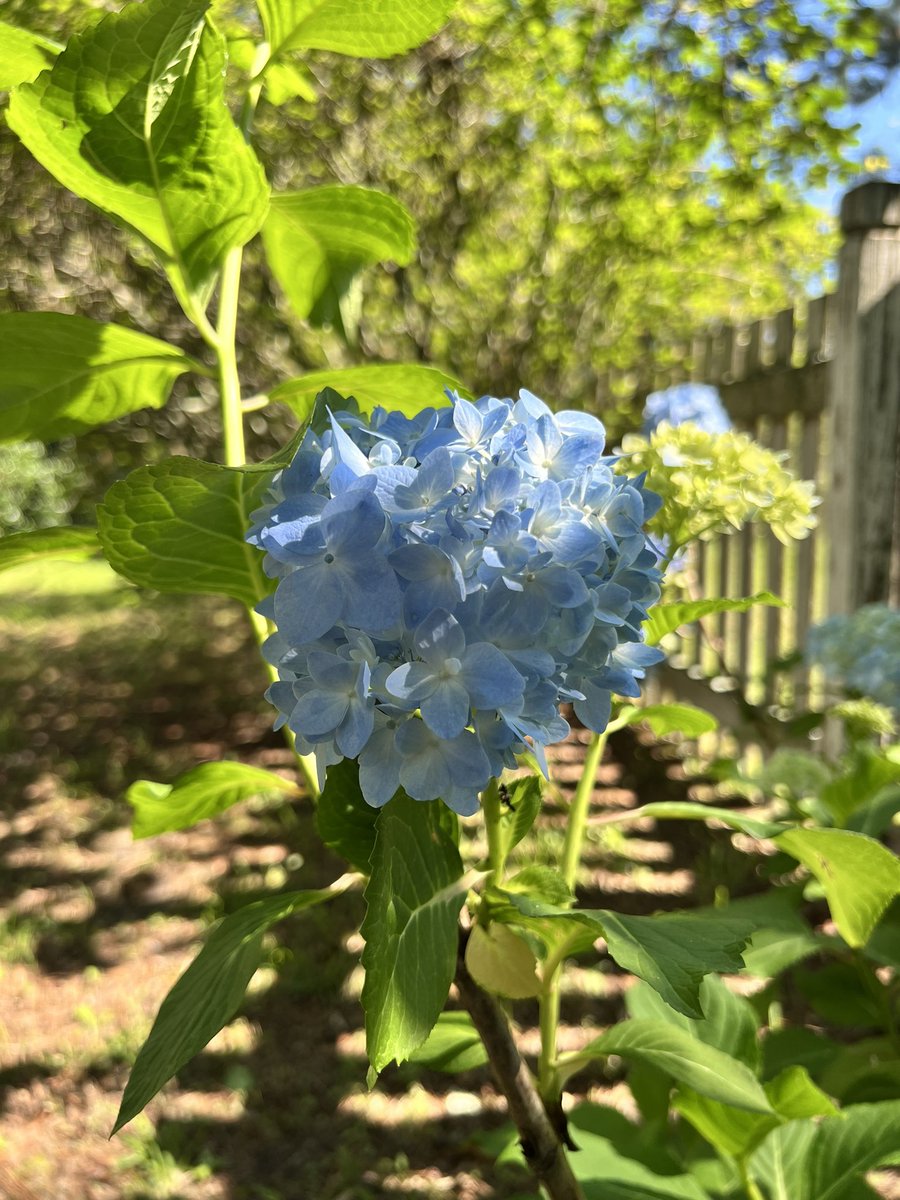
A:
(445, 583)
(695, 402)
(860, 652)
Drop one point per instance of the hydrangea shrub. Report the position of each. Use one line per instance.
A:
(695, 403)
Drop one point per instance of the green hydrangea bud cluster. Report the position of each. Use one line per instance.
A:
(714, 483)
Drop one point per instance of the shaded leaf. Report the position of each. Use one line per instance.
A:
(666, 618)
(346, 824)
(453, 1045)
(32, 545)
(413, 901)
(729, 1022)
(63, 374)
(860, 876)
(404, 387)
(132, 117)
(179, 526)
(521, 806)
(203, 792)
(207, 995)
(501, 962)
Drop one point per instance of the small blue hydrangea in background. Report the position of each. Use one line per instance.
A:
(445, 583)
(860, 652)
(695, 402)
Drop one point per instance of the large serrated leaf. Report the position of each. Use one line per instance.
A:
(23, 55)
(404, 387)
(34, 545)
(682, 1056)
(319, 239)
(203, 792)
(413, 901)
(64, 374)
(132, 117)
(346, 824)
(859, 875)
(180, 526)
(453, 1045)
(207, 995)
(824, 1161)
(354, 27)
(666, 618)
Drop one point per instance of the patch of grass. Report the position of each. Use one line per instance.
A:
(20, 937)
(156, 1173)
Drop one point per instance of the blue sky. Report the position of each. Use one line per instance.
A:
(879, 134)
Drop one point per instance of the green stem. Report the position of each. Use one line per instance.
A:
(226, 353)
(578, 812)
(748, 1183)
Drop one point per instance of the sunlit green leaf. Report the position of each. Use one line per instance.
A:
(670, 718)
(62, 541)
(501, 962)
(132, 117)
(406, 387)
(64, 374)
(354, 27)
(23, 55)
(180, 526)
(666, 618)
(203, 792)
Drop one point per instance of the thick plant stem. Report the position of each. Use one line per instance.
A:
(490, 805)
(229, 380)
(542, 1144)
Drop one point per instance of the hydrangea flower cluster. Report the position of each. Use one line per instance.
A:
(695, 402)
(445, 582)
(860, 652)
(713, 483)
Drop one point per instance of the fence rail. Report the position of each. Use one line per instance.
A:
(820, 382)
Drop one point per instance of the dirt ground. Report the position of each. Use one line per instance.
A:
(95, 928)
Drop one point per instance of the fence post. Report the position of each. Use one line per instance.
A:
(862, 512)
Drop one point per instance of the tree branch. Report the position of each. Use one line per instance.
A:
(542, 1144)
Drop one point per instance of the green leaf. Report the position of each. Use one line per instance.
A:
(453, 1045)
(691, 810)
(728, 1023)
(860, 876)
(501, 962)
(23, 55)
(682, 1056)
(207, 995)
(132, 117)
(670, 718)
(521, 806)
(318, 240)
(806, 1161)
(672, 952)
(617, 1161)
(62, 541)
(869, 774)
(666, 618)
(179, 526)
(62, 374)
(781, 937)
(353, 27)
(203, 792)
(413, 901)
(403, 387)
(346, 824)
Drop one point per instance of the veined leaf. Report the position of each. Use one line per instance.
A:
(354, 27)
(179, 526)
(405, 387)
(502, 962)
(413, 901)
(666, 618)
(520, 809)
(132, 117)
(23, 55)
(63, 374)
(728, 1023)
(207, 995)
(860, 876)
(62, 541)
(346, 824)
(806, 1161)
(318, 240)
(203, 792)
(683, 1057)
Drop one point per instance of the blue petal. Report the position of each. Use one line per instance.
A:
(446, 710)
(308, 602)
(489, 677)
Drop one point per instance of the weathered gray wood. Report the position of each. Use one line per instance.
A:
(784, 338)
(777, 393)
(807, 466)
(864, 408)
(774, 617)
(815, 328)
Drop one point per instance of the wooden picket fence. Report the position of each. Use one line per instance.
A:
(821, 382)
